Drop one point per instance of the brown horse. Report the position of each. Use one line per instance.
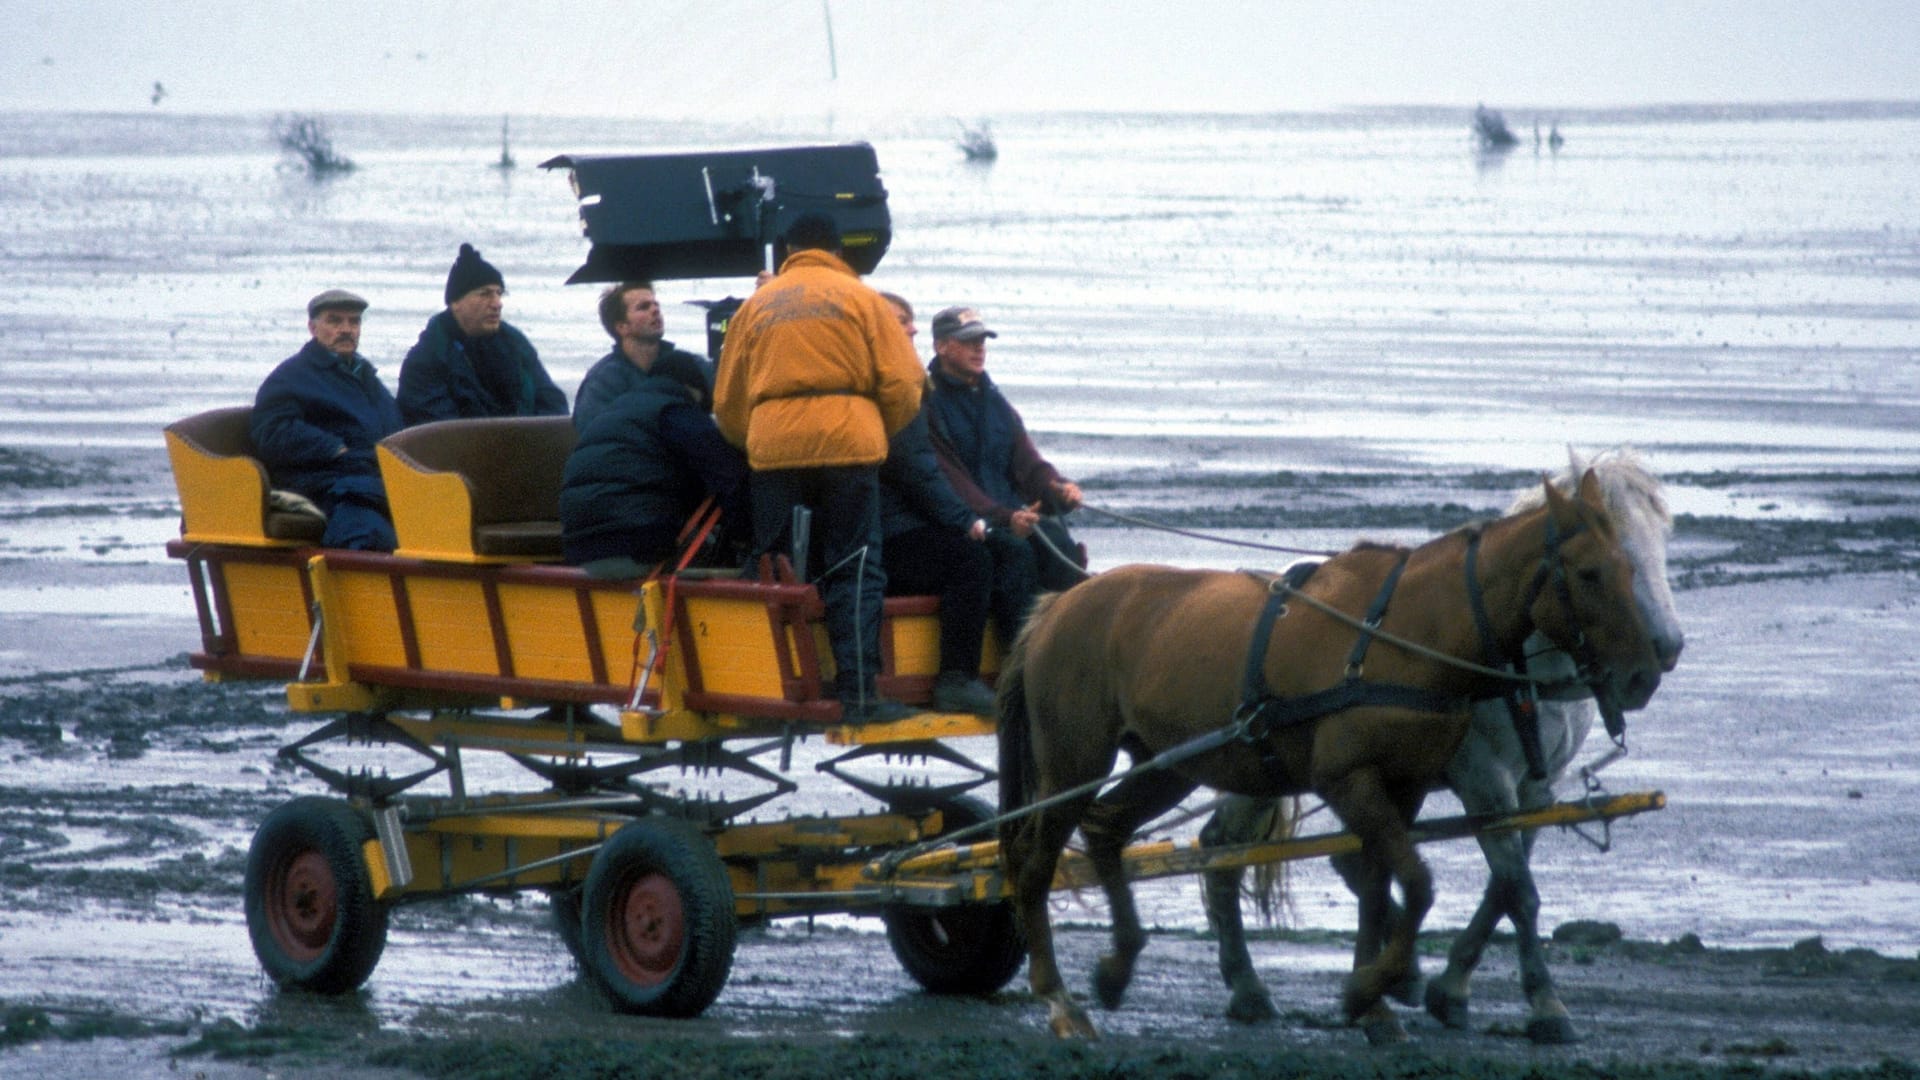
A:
(1147, 658)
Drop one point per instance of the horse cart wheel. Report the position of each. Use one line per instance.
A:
(971, 949)
(656, 926)
(311, 912)
(565, 904)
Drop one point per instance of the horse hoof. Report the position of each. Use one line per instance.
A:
(1407, 991)
(1444, 1007)
(1109, 985)
(1551, 1031)
(1251, 1007)
(1383, 1030)
(1073, 1025)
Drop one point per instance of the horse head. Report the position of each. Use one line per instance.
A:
(1585, 600)
(1643, 523)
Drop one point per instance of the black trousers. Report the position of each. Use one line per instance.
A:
(845, 500)
(1015, 583)
(938, 561)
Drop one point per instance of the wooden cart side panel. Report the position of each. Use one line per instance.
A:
(268, 607)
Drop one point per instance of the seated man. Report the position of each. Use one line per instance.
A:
(991, 460)
(468, 362)
(640, 470)
(933, 543)
(631, 315)
(316, 419)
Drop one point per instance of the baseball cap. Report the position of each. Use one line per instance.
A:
(960, 323)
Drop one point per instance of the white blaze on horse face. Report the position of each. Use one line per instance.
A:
(1647, 549)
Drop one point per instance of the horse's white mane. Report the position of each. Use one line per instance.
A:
(1626, 484)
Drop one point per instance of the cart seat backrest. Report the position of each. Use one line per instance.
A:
(482, 490)
(223, 488)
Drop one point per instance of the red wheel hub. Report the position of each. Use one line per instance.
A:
(302, 905)
(646, 929)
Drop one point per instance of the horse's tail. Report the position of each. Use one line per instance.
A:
(1015, 734)
(1272, 891)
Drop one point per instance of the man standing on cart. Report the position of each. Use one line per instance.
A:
(814, 379)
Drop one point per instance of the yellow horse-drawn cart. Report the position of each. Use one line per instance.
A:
(481, 663)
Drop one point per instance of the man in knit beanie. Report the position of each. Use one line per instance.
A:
(468, 362)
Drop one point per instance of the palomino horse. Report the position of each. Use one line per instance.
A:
(1490, 774)
(1149, 658)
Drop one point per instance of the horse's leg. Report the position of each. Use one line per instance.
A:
(1235, 821)
(1372, 890)
(1031, 854)
(1448, 994)
(1548, 1021)
(1379, 915)
(1372, 812)
(1110, 823)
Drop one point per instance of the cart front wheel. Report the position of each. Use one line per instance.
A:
(311, 912)
(969, 949)
(656, 925)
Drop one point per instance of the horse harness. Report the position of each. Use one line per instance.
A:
(1262, 712)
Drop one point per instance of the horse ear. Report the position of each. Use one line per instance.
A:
(1557, 504)
(1590, 490)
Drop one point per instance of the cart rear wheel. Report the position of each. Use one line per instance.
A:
(310, 907)
(657, 927)
(970, 949)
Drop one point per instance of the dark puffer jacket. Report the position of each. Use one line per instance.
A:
(640, 469)
(613, 375)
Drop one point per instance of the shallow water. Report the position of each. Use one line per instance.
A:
(1192, 311)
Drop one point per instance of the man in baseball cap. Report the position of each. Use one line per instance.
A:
(316, 419)
(992, 462)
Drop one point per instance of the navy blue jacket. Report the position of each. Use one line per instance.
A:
(914, 491)
(641, 468)
(985, 448)
(614, 374)
(312, 406)
(438, 380)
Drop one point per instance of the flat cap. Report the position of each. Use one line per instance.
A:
(334, 298)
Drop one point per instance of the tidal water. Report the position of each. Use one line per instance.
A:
(1224, 321)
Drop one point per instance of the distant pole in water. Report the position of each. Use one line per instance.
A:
(506, 154)
(833, 60)
(1554, 138)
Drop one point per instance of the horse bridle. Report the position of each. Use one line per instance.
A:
(1522, 698)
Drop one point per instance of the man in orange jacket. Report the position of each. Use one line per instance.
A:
(814, 379)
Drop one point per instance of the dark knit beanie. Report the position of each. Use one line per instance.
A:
(470, 272)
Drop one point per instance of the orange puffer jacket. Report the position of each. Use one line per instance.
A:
(815, 370)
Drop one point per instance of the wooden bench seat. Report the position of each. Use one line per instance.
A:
(224, 494)
(478, 491)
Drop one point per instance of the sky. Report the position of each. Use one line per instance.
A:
(745, 58)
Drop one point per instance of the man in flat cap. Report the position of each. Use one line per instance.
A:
(468, 362)
(991, 460)
(316, 419)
